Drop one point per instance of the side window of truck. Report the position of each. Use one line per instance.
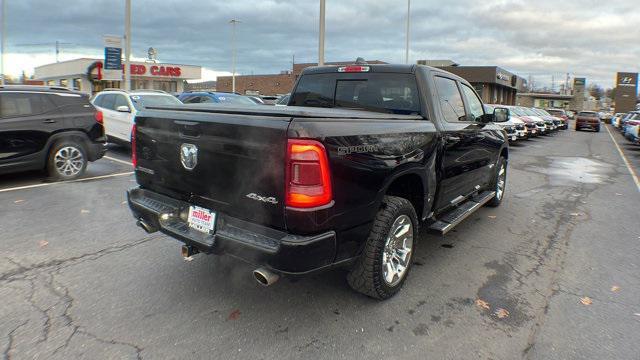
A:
(474, 104)
(450, 100)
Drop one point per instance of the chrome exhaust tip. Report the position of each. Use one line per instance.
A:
(146, 227)
(265, 277)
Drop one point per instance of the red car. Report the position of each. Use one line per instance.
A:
(588, 119)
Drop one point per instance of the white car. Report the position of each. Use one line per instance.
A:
(514, 126)
(119, 109)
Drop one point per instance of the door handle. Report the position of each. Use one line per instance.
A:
(49, 121)
(452, 138)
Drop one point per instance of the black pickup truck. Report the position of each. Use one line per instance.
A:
(342, 177)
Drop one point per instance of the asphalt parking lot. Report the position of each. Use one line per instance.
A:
(552, 273)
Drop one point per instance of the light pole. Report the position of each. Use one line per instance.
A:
(3, 28)
(233, 23)
(321, 35)
(127, 46)
(406, 51)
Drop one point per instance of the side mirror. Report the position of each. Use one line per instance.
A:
(123, 108)
(501, 114)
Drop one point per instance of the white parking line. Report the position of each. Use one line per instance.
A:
(624, 158)
(65, 182)
(117, 160)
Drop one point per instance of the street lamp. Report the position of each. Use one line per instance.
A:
(321, 35)
(3, 28)
(233, 23)
(406, 51)
(127, 46)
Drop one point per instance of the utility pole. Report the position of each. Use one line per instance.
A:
(406, 51)
(233, 23)
(321, 39)
(2, 40)
(57, 47)
(127, 46)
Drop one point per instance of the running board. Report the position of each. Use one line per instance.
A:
(448, 221)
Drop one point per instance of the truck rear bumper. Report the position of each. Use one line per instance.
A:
(256, 244)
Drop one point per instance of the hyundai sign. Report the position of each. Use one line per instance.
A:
(626, 91)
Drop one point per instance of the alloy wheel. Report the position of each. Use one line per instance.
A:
(68, 161)
(500, 184)
(397, 250)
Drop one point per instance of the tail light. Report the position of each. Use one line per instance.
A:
(134, 155)
(308, 179)
(99, 117)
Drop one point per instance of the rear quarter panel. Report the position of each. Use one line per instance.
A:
(365, 156)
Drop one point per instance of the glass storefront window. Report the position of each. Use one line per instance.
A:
(77, 84)
(168, 86)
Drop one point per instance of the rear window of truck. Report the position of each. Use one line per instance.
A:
(380, 92)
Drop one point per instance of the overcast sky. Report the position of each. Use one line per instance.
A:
(541, 38)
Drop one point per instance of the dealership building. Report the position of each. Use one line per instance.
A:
(576, 100)
(494, 84)
(86, 75)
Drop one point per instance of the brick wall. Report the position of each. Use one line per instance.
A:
(264, 84)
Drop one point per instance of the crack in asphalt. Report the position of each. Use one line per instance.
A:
(32, 275)
(64, 263)
(7, 351)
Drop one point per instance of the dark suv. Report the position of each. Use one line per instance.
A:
(48, 128)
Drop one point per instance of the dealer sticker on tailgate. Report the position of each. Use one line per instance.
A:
(201, 219)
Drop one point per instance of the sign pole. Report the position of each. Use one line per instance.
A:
(4, 31)
(127, 46)
(406, 50)
(233, 54)
(321, 35)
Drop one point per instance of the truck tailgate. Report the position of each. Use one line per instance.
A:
(240, 165)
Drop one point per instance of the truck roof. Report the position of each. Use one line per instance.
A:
(379, 68)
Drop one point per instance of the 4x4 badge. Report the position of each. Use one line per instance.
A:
(189, 156)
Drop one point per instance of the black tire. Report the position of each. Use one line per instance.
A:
(597, 129)
(367, 275)
(77, 166)
(497, 200)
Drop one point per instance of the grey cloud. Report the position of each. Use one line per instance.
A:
(583, 37)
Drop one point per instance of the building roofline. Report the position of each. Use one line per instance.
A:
(100, 59)
(556, 96)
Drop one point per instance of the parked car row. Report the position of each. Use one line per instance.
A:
(225, 98)
(527, 122)
(628, 124)
(60, 131)
(119, 107)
